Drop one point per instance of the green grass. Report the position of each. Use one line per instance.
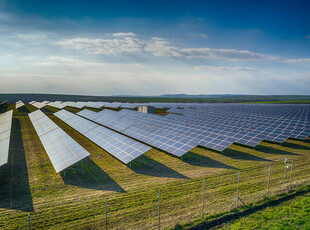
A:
(29, 183)
(292, 214)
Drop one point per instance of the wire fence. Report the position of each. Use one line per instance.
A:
(165, 207)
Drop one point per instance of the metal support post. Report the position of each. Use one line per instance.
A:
(106, 214)
(287, 165)
(203, 197)
(291, 174)
(268, 183)
(29, 223)
(159, 208)
(284, 177)
(238, 197)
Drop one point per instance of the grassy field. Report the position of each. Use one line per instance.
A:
(29, 184)
(292, 214)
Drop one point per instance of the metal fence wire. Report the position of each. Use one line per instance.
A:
(200, 198)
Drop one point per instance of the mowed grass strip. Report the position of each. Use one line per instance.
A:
(292, 214)
(77, 201)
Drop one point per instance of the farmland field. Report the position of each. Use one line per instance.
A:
(29, 184)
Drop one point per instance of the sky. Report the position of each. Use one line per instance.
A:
(155, 47)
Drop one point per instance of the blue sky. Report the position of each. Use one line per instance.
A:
(155, 47)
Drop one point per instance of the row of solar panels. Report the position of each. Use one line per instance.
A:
(19, 104)
(273, 125)
(165, 132)
(260, 122)
(123, 148)
(39, 105)
(61, 149)
(64, 152)
(5, 134)
(92, 104)
(155, 131)
(2, 103)
(100, 104)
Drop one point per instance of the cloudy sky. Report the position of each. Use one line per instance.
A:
(154, 47)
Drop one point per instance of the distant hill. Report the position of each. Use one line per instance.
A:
(199, 95)
(181, 98)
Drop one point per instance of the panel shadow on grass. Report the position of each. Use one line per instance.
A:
(270, 150)
(46, 110)
(239, 155)
(23, 109)
(93, 178)
(4, 108)
(147, 166)
(14, 188)
(295, 146)
(203, 161)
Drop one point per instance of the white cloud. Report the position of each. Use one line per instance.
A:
(225, 68)
(99, 67)
(130, 34)
(297, 60)
(163, 47)
(126, 43)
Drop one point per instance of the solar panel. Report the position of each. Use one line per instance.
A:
(39, 105)
(19, 104)
(127, 123)
(123, 148)
(61, 149)
(57, 104)
(5, 133)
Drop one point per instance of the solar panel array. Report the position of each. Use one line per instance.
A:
(61, 149)
(77, 104)
(56, 104)
(123, 148)
(96, 104)
(5, 134)
(39, 105)
(2, 103)
(19, 104)
(100, 104)
(215, 126)
(147, 128)
(250, 123)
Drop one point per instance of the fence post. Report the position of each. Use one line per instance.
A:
(203, 197)
(29, 223)
(284, 177)
(106, 214)
(291, 174)
(159, 208)
(237, 198)
(268, 183)
(238, 189)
